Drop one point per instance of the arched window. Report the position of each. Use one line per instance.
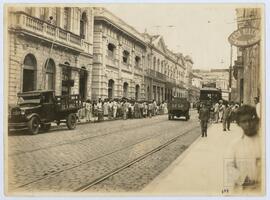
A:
(137, 61)
(111, 50)
(66, 77)
(50, 74)
(29, 73)
(83, 25)
(137, 92)
(125, 90)
(83, 82)
(125, 56)
(110, 89)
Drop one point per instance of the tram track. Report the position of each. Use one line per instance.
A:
(125, 166)
(83, 139)
(118, 169)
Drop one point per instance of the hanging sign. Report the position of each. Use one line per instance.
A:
(245, 37)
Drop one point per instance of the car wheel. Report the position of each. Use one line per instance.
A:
(58, 122)
(46, 127)
(71, 121)
(33, 125)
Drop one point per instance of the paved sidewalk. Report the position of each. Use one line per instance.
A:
(199, 170)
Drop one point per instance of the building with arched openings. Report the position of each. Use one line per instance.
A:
(50, 48)
(119, 57)
(91, 52)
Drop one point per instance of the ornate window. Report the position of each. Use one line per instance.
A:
(137, 61)
(50, 74)
(110, 89)
(111, 50)
(125, 56)
(125, 90)
(29, 73)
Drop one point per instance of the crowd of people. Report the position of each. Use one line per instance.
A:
(224, 112)
(221, 112)
(111, 109)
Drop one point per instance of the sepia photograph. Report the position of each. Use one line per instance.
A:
(144, 99)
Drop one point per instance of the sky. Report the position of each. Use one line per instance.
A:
(200, 31)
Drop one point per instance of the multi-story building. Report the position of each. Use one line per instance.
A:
(165, 71)
(92, 52)
(247, 67)
(49, 48)
(155, 77)
(119, 58)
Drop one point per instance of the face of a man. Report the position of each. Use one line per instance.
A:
(248, 124)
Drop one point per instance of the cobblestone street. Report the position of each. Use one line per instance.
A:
(63, 160)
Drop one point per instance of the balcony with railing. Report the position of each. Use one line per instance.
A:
(154, 74)
(38, 27)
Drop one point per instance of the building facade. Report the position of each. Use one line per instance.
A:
(165, 71)
(91, 52)
(119, 58)
(50, 48)
(247, 67)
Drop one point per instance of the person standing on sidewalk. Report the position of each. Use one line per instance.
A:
(105, 108)
(125, 109)
(100, 110)
(216, 109)
(227, 117)
(204, 115)
(88, 109)
(221, 110)
(244, 155)
(114, 108)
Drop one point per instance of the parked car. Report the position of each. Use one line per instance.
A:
(178, 107)
(36, 110)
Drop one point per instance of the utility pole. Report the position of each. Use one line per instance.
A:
(230, 76)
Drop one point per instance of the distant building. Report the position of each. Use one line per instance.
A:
(218, 78)
(165, 71)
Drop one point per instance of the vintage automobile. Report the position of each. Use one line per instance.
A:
(36, 110)
(178, 107)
